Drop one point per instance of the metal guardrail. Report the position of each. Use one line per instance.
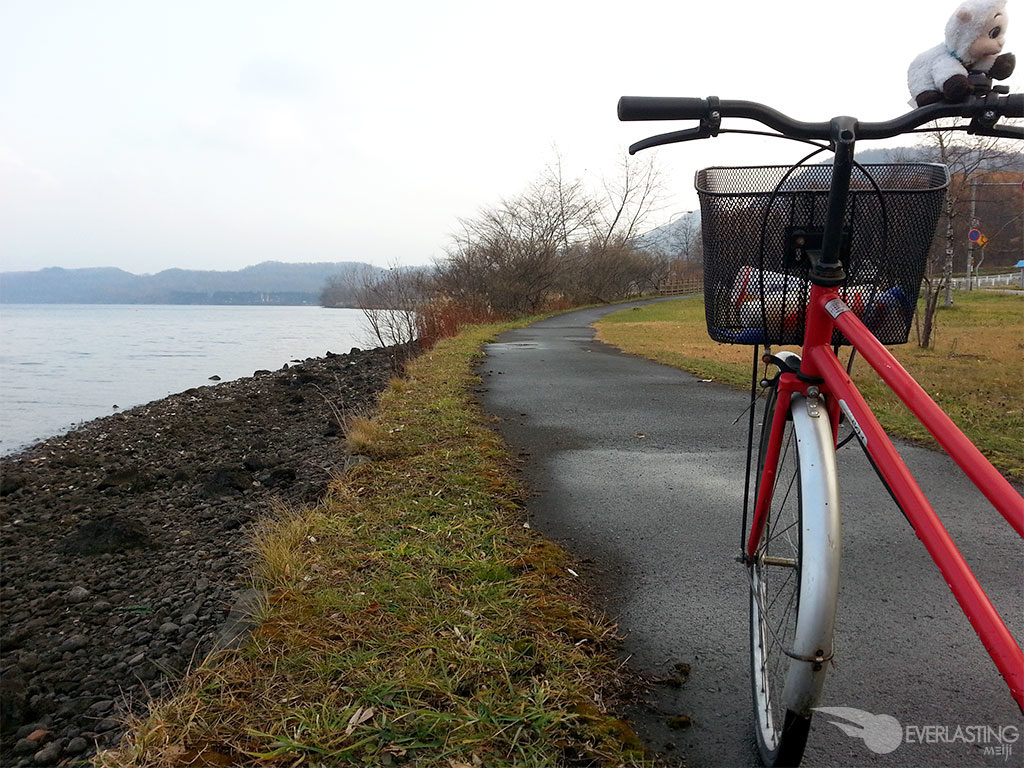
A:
(1009, 279)
(695, 285)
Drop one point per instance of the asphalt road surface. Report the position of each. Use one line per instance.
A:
(637, 469)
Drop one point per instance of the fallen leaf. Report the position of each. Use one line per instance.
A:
(360, 716)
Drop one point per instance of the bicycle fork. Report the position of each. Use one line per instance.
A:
(820, 535)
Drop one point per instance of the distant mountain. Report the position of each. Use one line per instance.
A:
(998, 161)
(272, 282)
(678, 235)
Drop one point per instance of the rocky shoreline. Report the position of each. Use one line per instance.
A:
(123, 544)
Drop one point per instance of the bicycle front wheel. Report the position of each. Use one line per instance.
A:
(794, 581)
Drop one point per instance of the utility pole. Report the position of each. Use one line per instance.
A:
(974, 222)
(970, 242)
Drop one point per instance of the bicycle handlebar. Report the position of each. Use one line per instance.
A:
(983, 110)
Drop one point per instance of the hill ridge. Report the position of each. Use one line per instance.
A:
(269, 282)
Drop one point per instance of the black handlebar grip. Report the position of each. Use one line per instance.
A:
(1014, 105)
(661, 108)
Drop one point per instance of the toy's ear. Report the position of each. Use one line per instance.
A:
(963, 15)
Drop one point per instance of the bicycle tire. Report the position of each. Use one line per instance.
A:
(794, 582)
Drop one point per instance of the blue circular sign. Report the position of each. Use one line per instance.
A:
(974, 235)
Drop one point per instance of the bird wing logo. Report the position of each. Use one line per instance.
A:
(881, 734)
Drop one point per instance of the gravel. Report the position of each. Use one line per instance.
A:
(123, 543)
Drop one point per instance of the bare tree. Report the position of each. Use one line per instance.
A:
(965, 156)
(631, 198)
(577, 211)
(389, 301)
(506, 259)
(554, 244)
(339, 291)
(687, 243)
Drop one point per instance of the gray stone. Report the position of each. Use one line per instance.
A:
(108, 535)
(13, 702)
(42, 704)
(77, 594)
(355, 460)
(73, 707)
(76, 746)
(101, 707)
(73, 643)
(146, 672)
(49, 754)
(227, 480)
(10, 483)
(239, 622)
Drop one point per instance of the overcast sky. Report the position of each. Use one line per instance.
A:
(217, 134)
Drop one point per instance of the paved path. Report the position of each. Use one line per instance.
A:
(637, 469)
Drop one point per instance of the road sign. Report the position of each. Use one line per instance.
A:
(974, 235)
(975, 222)
(982, 240)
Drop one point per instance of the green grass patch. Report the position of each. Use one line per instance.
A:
(410, 619)
(973, 371)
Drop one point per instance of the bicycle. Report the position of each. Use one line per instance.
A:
(824, 256)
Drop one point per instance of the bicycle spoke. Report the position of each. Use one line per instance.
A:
(780, 588)
(784, 618)
(776, 534)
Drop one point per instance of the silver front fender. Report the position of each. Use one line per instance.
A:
(821, 539)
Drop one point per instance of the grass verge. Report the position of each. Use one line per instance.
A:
(974, 371)
(411, 618)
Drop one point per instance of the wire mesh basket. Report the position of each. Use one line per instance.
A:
(759, 222)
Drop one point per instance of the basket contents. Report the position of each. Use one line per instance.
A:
(759, 224)
(763, 298)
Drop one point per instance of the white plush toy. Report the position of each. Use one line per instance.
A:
(975, 35)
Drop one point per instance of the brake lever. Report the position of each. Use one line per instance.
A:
(979, 128)
(709, 126)
(670, 138)
(985, 123)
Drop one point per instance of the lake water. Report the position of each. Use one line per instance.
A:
(64, 364)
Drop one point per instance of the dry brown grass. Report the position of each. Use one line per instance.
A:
(410, 619)
(974, 371)
(362, 435)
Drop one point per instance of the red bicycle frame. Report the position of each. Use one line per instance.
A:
(825, 312)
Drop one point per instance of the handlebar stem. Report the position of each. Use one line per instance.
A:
(827, 269)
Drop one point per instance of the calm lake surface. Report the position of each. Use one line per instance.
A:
(64, 364)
